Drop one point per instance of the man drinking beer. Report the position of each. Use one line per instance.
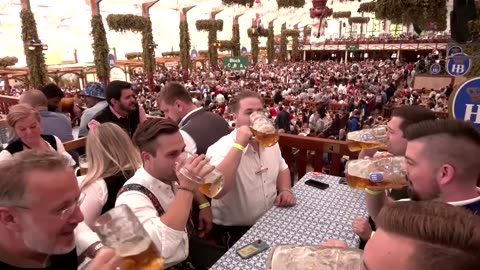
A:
(256, 177)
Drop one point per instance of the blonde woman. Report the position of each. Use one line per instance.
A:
(24, 120)
(112, 160)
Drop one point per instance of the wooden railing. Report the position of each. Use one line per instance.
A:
(6, 102)
(296, 150)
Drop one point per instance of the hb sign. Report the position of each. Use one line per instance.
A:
(465, 102)
(459, 64)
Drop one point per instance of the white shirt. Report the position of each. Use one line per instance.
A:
(96, 195)
(190, 144)
(5, 155)
(172, 244)
(255, 186)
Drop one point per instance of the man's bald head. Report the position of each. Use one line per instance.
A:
(34, 98)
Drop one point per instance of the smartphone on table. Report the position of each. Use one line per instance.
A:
(317, 184)
(252, 249)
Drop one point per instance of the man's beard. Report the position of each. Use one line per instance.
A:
(416, 196)
(35, 241)
(128, 108)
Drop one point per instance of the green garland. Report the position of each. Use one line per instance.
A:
(236, 39)
(368, 7)
(100, 48)
(328, 12)
(38, 73)
(295, 43)
(212, 26)
(342, 14)
(171, 54)
(290, 3)
(472, 48)
(358, 20)
(255, 50)
(137, 24)
(283, 44)
(184, 45)
(307, 31)
(271, 45)
(8, 61)
(420, 13)
(248, 3)
(133, 55)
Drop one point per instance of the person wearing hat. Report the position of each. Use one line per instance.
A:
(94, 95)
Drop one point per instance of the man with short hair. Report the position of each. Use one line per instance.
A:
(256, 178)
(162, 206)
(199, 128)
(54, 95)
(39, 211)
(53, 123)
(441, 164)
(424, 236)
(95, 100)
(123, 108)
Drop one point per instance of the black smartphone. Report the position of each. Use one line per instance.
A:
(343, 181)
(317, 184)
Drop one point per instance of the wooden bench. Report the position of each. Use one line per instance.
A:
(6, 102)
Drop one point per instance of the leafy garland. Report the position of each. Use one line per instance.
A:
(138, 24)
(236, 39)
(270, 44)
(254, 33)
(184, 45)
(8, 61)
(100, 48)
(212, 26)
(420, 13)
(255, 50)
(472, 48)
(342, 14)
(283, 44)
(368, 7)
(38, 73)
(290, 3)
(171, 54)
(295, 43)
(133, 55)
(358, 20)
(307, 31)
(248, 3)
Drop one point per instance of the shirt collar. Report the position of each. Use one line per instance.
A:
(188, 114)
(119, 116)
(151, 181)
(467, 202)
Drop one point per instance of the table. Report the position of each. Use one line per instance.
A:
(319, 215)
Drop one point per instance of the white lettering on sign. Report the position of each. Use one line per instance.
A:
(458, 68)
(469, 113)
(234, 60)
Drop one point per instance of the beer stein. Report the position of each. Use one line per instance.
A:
(210, 184)
(367, 138)
(263, 129)
(376, 173)
(120, 229)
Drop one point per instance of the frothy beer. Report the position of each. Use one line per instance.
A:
(212, 184)
(379, 173)
(263, 130)
(140, 254)
(367, 139)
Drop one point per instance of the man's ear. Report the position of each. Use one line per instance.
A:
(9, 219)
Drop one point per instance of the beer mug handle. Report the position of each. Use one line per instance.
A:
(77, 171)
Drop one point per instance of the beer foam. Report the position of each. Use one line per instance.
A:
(133, 246)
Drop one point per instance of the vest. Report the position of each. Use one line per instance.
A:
(129, 123)
(205, 128)
(18, 146)
(114, 184)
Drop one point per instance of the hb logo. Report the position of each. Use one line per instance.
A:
(458, 69)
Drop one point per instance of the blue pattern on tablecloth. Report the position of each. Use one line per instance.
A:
(319, 215)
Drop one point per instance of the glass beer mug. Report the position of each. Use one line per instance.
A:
(376, 173)
(120, 229)
(210, 184)
(367, 139)
(263, 130)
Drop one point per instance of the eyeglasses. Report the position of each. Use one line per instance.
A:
(65, 212)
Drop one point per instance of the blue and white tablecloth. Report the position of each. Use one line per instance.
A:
(319, 215)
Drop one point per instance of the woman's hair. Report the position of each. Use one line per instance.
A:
(19, 112)
(110, 151)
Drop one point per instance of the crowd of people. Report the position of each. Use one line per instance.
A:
(47, 214)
